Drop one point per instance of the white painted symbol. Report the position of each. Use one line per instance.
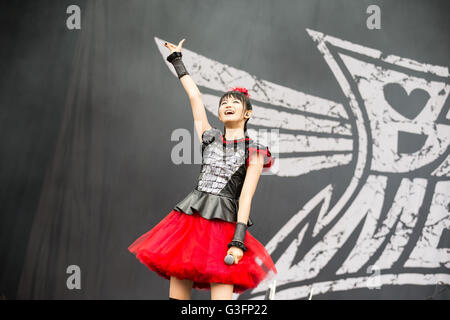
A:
(388, 98)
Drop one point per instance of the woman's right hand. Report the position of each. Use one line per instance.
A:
(172, 47)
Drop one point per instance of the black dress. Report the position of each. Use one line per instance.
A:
(191, 241)
(222, 175)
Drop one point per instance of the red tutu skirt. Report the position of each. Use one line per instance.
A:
(192, 247)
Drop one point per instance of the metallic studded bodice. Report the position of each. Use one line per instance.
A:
(223, 166)
(222, 175)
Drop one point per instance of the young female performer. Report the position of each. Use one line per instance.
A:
(189, 245)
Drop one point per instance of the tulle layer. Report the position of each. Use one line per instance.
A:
(192, 247)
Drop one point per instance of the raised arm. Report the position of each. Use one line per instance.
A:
(195, 97)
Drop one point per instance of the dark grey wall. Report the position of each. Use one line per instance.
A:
(86, 118)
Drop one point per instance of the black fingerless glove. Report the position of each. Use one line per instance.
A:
(239, 236)
(175, 59)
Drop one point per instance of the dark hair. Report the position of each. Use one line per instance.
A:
(242, 95)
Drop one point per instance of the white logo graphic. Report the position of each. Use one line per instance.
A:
(395, 207)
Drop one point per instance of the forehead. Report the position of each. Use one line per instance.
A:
(230, 97)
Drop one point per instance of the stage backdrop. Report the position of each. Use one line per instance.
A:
(98, 141)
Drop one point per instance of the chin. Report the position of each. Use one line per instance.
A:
(229, 121)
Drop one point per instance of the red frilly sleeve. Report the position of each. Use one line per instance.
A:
(268, 159)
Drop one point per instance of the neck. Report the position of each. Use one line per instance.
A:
(234, 133)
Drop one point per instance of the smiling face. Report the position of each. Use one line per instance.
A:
(231, 108)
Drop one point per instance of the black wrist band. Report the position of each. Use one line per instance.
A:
(240, 231)
(237, 244)
(174, 55)
(175, 59)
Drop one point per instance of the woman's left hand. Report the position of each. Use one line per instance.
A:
(172, 47)
(237, 253)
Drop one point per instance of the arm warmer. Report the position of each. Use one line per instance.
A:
(175, 59)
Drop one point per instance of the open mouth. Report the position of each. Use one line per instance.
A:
(229, 111)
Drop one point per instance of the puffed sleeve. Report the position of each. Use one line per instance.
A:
(256, 149)
(209, 135)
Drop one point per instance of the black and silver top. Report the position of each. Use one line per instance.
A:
(222, 175)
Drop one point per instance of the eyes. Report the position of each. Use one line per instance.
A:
(234, 101)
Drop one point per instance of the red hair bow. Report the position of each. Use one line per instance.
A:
(242, 90)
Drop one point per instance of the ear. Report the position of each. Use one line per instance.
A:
(248, 113)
